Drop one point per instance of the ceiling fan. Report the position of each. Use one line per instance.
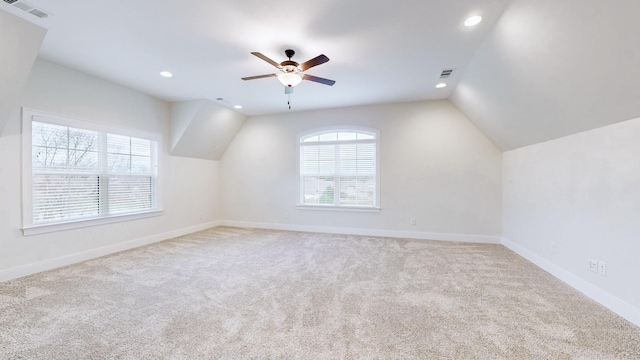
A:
(291, 73)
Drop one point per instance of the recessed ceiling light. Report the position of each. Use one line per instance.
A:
(166, 74)
(473, 20)
(441, 85)
(238, 106)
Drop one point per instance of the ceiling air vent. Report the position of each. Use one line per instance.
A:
(25, 6)
(446, 73)
(39, 13)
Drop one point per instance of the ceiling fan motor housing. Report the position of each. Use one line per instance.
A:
(289, 66)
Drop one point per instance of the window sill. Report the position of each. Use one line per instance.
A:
(339, 208)
(47, 228)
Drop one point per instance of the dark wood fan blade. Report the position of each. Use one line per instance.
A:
(266, 59)
(258, 77)
(288, 90)
(319, 80)
(320, 59)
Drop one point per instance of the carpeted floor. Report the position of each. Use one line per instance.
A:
(229, 293)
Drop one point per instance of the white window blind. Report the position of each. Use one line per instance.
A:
(65, 173)
(339, 168)
(81, 171)
(129, 163)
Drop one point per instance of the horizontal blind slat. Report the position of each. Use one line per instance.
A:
(56, 197)
(130, 193)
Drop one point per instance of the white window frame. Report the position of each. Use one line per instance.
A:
(336, 207)
(28, 226)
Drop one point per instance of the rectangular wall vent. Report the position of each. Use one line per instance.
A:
(446, 73)
(25, 6)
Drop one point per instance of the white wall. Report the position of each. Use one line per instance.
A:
(436, 166)
(581, 192)
(190, 186)
(19, 46)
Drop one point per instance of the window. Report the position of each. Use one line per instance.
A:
(339, 169)
(83, 173)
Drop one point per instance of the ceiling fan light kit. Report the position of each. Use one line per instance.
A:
(290, 79)
(291, 73)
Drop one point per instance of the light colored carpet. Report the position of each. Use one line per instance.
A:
(229, 293)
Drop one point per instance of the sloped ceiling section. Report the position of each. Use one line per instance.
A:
(202, 129)
(20, 41)
(553, 68)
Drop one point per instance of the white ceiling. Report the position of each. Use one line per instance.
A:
(380, 51)
(530, 72)
(553, 68)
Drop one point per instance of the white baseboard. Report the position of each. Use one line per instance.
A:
(606, 299)
(50, 264)
(484, 239)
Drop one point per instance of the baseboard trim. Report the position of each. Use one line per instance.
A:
(606, 299)
(471, 238)
(58, 262)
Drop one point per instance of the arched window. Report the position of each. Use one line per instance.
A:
(339, 168)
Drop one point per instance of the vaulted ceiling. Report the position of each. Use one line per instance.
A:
(553, 68)
(529, 72)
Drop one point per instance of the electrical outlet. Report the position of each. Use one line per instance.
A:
(286, 215)
(553, 247)
(413, 221)
(593, 265)
(602, 268)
